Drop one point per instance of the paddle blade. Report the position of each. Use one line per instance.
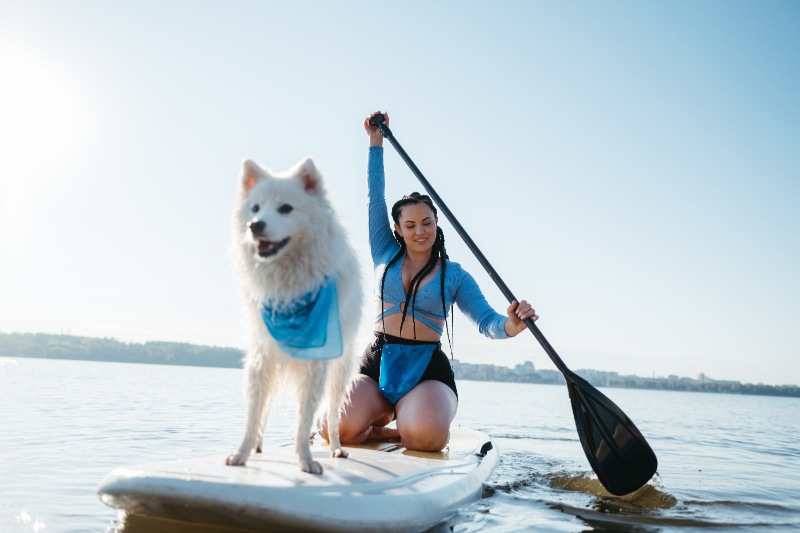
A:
(617, 451)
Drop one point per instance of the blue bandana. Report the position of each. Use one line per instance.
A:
(402, 366)
(307, 328)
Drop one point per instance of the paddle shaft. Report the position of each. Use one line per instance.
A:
(378, 120)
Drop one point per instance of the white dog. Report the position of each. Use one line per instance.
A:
(303, 303)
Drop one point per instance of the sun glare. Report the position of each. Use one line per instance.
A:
(42, 128)
(40, 112)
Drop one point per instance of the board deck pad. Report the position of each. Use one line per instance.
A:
(381, 486)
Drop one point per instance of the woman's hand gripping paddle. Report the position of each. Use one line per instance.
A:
(617, 451)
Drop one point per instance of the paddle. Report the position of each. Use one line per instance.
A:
(616, 450)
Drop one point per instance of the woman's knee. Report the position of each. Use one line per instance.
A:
(424, 416)
(351, 432)
(425, 437)
(348, 431)
(366, 408)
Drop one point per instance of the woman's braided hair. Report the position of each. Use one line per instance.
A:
(438, 254)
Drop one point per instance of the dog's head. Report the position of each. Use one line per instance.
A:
(277, 212)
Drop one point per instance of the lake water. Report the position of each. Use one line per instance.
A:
(725, 462)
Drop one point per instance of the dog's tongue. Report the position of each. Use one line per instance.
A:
(266, 246)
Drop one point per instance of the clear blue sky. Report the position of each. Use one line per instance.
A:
(632, 168)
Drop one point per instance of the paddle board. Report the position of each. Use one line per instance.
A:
(381, 486)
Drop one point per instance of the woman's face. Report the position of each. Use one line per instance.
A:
(417, 226)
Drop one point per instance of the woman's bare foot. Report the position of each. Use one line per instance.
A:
(383, 433)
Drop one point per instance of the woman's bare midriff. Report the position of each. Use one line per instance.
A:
(392, 324)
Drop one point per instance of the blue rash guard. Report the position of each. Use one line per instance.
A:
(459, 286)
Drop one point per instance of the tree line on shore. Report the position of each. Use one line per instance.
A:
(47, 346)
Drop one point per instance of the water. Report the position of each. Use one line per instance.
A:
(725, 462)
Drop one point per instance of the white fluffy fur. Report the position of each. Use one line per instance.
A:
(317, 247)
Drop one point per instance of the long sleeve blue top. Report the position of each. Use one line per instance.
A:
(459, 286)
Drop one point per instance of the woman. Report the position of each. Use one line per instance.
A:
(405, 374)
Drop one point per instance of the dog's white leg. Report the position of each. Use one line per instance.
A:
(309, 395)
(258, 384)
(338, 385)
(263, 425)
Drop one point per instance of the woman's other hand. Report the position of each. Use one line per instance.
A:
(517, 313)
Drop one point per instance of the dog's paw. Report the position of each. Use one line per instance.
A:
(339, 453)
(236, 459)
(311, 466)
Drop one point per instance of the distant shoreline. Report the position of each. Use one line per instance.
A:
(70, 347)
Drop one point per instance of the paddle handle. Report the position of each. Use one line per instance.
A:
(378, 120)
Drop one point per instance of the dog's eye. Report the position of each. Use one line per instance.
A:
(284, 209)
(255, 208)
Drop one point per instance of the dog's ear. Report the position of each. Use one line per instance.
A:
(251, 174)
(309, 176)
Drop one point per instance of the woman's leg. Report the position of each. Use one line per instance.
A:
(367, 408)
(424, 416)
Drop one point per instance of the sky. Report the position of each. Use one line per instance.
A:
(631, 168)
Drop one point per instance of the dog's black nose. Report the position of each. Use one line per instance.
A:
(257, 227)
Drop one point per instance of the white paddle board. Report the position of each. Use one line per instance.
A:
(381, 486)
